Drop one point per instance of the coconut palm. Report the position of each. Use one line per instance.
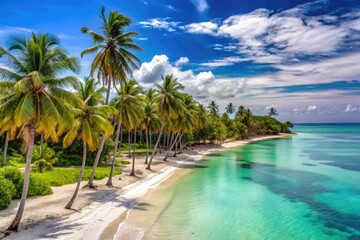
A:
(91, 121)
(35, 102)
(43, 158)
(151, 118)
(272, 112)
(130, 111)
(113, 60)
(213, 108)
(230, 108)
(240, 112)
(168, 100)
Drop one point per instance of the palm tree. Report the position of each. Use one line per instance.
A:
(213, 108)
(151, 118)
(130, 110)
(230, 108)
(113, 60)
(35, 102)
(44, 158)
(272, 112)
(91, 121)
(10, 129)
(168, 100)
(240, 112)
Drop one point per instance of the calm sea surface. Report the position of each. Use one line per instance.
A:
(301, 187)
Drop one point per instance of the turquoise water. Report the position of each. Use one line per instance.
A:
(301, 187)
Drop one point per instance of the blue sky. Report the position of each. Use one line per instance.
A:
(301, 56)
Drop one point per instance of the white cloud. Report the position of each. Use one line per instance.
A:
(351, 108)
(6, 30)
(160, 23)
(142, 39)
(201, 5)
(311, 108)
(270, 106)
(202, 28)
(227, 61)
(181, 61)
(203, 86)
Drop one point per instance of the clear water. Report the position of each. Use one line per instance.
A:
(301, 187)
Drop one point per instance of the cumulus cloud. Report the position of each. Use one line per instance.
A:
(142, 38)
(181, 61)
(350, 108)
(202, 86)
(311, 108)
(202, 28)
(201, 5)
(160, 23)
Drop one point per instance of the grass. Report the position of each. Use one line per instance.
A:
(62, 176)
(122, 162)
(138, 152)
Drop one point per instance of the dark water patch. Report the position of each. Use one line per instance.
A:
(303, 186)
(193, 166)
(309, 164)
(351, 163)
(215, 155)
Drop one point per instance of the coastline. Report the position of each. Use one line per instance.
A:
(104, 209)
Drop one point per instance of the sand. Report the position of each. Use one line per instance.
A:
(98, 213)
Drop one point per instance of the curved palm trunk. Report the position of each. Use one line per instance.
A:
(147, 144)
(15, 223)
(5, 148)
(90, 183)
(69, 205)
(132, 173)
(109, 182)
(181, 147)
(176, 145)
(171, 147)
(156, 144)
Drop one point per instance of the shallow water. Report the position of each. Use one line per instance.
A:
(301, 187)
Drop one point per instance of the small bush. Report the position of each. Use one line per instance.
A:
(7, 192)
(15, 176)
(38, 186)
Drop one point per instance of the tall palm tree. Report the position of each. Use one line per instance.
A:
(213, 108)
(114, 59)
(35, 102)
(272, 112)
(240, 111)
(168, 100)
(91, 121)
(230, 108)
(130, 110)
(151, 118)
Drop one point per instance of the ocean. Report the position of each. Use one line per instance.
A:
(301, 187)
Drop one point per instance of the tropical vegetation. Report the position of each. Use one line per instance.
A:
(57, 129)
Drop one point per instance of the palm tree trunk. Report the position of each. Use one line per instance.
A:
(41, 143)
(15, 223)
(171, 147)
(181, 147)
(156, 144)
(109, 182)
(5, 148)
(132, 173)
(147, 144)
(176, 145)
(129, 143)
(90, 183)
(69, 205)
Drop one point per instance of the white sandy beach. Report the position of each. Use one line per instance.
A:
(99, 212)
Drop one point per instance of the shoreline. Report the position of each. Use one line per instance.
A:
(104, 210)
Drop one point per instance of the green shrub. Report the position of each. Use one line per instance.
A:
(38, 186)
(15, 176)
(62, 176)
(7, 192)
